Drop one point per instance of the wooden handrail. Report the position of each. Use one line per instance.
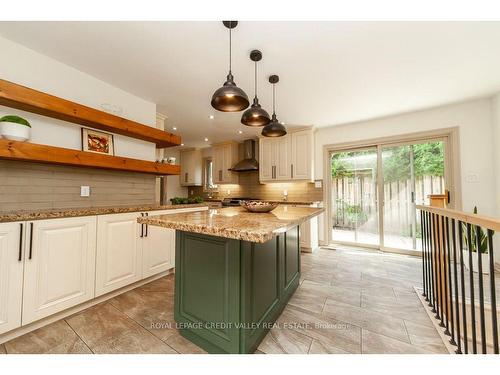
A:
(481, 220)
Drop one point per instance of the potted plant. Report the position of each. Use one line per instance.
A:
(483, 247)
(15, 128)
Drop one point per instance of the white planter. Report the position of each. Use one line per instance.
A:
(485, 260)
(14, 132)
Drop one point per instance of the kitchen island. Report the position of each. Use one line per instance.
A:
(235, 272)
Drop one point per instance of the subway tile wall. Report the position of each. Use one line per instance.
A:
(27, 186)
(249, 186)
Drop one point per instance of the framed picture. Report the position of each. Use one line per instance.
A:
(96, 141)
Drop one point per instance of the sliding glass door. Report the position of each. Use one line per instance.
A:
(354, 196)
(374, 192)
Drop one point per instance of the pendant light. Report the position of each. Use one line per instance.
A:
(274, 128)
(230, 98)
(255, 115)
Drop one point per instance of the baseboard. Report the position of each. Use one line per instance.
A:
(7, 336)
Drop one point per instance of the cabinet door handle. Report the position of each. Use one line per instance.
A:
(185, 177)
(147, 225)
(31, 241)
(291, 170)
(220, 175)
(20, 243)
(142, 226)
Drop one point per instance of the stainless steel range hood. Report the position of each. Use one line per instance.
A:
(249, 163)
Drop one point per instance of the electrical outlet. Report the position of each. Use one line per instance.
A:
(84, 191)
(318, 184)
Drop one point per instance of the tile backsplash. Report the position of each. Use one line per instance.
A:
(25, 185)
(249, 186)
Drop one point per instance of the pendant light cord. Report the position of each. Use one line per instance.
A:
(230, 51)
(256, 79)
(274, 98)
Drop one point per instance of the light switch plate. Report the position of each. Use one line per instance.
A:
(318, 184)
(84, 191)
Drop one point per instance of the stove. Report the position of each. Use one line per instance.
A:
(228, 202)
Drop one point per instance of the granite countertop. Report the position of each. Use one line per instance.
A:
(25, 215)
(236, 222)
(269, 200)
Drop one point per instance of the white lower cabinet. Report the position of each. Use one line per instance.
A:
(119, 252)
(59, 269)
(47, 266)
(158, 248)
(11, 275)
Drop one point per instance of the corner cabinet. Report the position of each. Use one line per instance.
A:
(288, 158)
(224, 157)
(191, 168)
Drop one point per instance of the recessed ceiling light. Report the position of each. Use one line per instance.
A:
(174, 128)
(240, 131)
(206, 139)
(283, 123)
(211, 117)
(182, 144)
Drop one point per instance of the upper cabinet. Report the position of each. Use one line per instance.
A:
(224, 157)
(191, 168)
(288, 158)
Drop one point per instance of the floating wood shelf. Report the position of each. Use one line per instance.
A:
(24, 151)
(26, 99)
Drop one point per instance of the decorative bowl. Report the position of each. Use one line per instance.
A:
(14, 131)
(258, 206)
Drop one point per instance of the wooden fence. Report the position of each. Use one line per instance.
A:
(355, 202)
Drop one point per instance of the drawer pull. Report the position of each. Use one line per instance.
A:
(21, 243)
(31, 241)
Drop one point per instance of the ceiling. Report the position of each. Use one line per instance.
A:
(330, 72)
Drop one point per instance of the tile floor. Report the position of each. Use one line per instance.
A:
(349, 301)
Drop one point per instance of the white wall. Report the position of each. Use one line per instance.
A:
(32, 69)
(474, 119)
(495, 104)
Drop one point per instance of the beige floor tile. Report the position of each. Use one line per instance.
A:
(134, 342)
(57, 337)
(321, 291)
(164, 284)
(291, 341)
(102, 324)
(425, 337)
(75, 346)
(325, 329)
(270, 346)
(374, 343)
(415, 313)
(318, 347)
(152, 310)
(183, 346)
(308, 302)
(364, 318)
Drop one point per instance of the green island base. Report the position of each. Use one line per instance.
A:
(229, 293)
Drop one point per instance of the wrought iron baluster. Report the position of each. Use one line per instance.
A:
(444, 250)
(422, 233)
(471, 286)
(462, 284)
(435, 301)
(449, 307)
(439, 251)
(493, 302)
(481, 290)
(458, 340)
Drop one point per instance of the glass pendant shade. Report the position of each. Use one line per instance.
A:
(230, 98)
(274, 128)
(255, 115)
